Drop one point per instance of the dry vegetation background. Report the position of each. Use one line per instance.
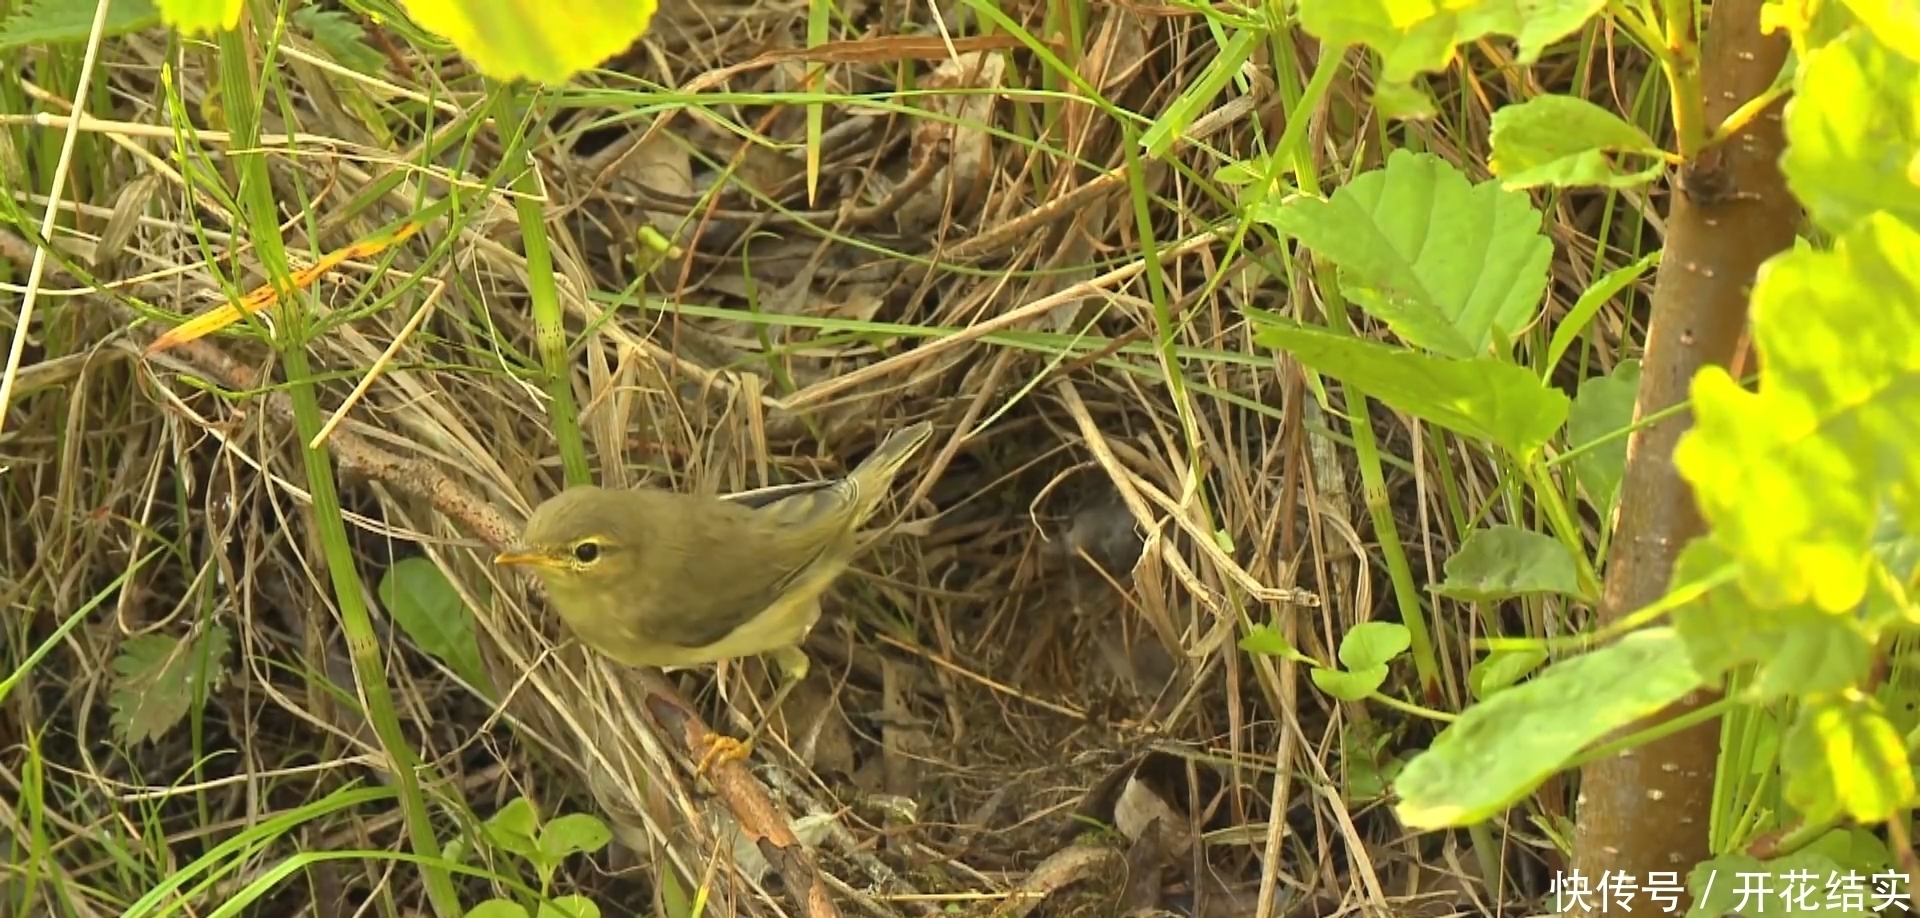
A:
(1043, 647)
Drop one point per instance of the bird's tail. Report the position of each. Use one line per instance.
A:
(874, 475)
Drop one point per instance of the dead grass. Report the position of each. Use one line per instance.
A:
(1047, 639)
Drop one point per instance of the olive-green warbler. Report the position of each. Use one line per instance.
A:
(659, 578)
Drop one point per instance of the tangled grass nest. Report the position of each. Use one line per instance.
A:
(1042, 645)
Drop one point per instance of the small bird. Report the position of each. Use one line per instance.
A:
(659, 578)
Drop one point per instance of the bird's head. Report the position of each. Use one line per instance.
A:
(585, 539)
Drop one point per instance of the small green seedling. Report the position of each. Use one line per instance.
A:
(516, 830)
(1364, 652)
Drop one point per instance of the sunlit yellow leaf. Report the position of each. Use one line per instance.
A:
(196, 17)
(548, 43)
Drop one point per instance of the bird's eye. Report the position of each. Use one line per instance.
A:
(586, 552)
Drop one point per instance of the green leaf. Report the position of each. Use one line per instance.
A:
(1373, 644)
(1262, 639)
(1600, 294)
(512, 828)
(1369, 764)
(569, 906)
(61, 22)
(1827, 23)
(1349, 685)
(1792, 478)
(1843, 758)
(158, 679)
(1901, 705)
(1565, 142)
(1794, 649)
(425, 605)
(1501, 562)
(1502, 669)
(1450, 266)
(1853, 846)
(1603, 410)
(497, 908)
(1403, 101)
(1488, 399)
(1853, 134)
(510, 39)
(201, 17)
(1241, 172)
(1421, 37)
(1502, 748)
(1736, 884)
(340, 35)
(573, 833)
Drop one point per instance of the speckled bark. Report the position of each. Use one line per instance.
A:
(1647, 811)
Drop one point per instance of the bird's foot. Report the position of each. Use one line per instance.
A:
(722, 749)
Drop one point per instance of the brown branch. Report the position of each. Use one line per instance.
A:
(772, 833)
(1648, 810)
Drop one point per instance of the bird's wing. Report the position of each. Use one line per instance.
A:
(733, 567)
(778, 546)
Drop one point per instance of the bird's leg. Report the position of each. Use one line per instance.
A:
(793, 665)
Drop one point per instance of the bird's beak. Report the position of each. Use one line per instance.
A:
(522, 556)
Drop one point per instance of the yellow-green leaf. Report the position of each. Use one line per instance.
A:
(1793, 478)
(1843, 757)
(547, 43)
(201, 17)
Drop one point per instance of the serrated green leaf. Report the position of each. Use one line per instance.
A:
(572, 834)
(1369, 767)
(1349, 685)
(1603, 410)
(1843, 758)
(1792, 478)
(340, 35)
(1450, 266)
(158, 679)
(1501, 562)
(510, 39)
(1853, 134)
(1568, 142)
(1370, 644)
(60, 22)
(1794, 649)
(1502, 748)
(1492, 400)
(425, 606)
(1501, 669)
(1422, 37)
